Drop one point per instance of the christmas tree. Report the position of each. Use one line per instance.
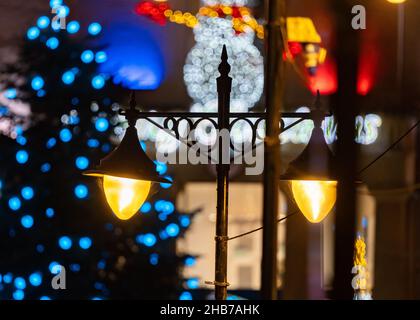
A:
(50, 214)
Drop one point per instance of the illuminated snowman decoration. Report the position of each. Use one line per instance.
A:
(201, 68)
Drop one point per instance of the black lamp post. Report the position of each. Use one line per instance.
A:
(128, 161)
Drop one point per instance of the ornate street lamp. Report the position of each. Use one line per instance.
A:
(127, 173)
(312, 175)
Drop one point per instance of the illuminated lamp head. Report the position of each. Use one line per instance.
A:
(127, 173)
(312, 175)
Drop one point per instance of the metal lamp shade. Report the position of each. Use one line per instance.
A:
(129, 161)
(316, 162)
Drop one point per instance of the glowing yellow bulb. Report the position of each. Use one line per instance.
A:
(396, 1)
(314, 198)
(125, 196)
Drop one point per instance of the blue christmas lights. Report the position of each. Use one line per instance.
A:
(98, 82)
(100, 57)
(27, 221)
(19, 283)
(73, 27)
(184, 221)
(35, 279)
(22, 156)
(154, 259)
(14, 203)
(10, 93)
(87, 56)
(52, 43)
(190, 261)
(68, 77)
(192, 283)
(81, 191)
(185, 296)
(82, 162)
(94, 28)
(43, 22)
(146, 207)
(45, 167)
(37, 83)
(65, 243)
(32, 33)
(18, 295)
(101, 124)
(65, 135)
(49, 212)
(85, 243)
(172, 229)
(27, 193)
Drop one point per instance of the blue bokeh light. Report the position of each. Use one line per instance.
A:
(185, 221)
(27, 221)
(73, 27)
(19, 283)
(65, 135)
(149, 240)
(37, 83)
(68, 77)
(49, 212)
(101, 57)
(94, 28)
(52, 43)
(172, 229)
(54, 267)
(146, 207)
(10, 93)
(85, 243)
(55, 3)
(75, 267)
(98, 82)
(154, 259)
(18, 295)
(40, 248)
(51, 143)
(190, 261)
(14, 203)
(82, 162)
(43, 22)
(101, 124)
(65, 243)
(44, 298)
(136, 65)
(81, 191)
(22, 156)
(192, 283)
(27, 193)
(45, 167)
(93, 143)
(32, 33)
(21, 140)
(35, 279)
(87, 56)
(62, 11)
(8, 278)
(161, 167)
(185, 296)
